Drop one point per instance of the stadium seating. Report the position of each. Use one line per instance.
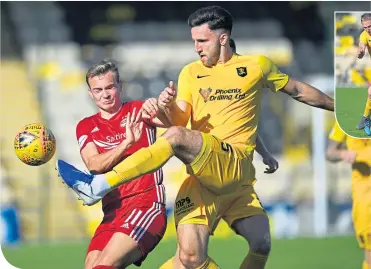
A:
(24, 180)
(19, 106)
(346, 41)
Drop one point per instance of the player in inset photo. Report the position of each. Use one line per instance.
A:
(365, 43)
(353, 72)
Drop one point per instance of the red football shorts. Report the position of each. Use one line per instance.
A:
(141, 219)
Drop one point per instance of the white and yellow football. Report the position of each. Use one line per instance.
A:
(35, 144)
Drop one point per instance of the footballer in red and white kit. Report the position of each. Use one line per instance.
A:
(137, 208)
(134, 219)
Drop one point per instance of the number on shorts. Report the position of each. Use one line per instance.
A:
(226, 147)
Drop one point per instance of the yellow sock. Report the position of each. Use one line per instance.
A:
(144, 161)
(365, 265)
(367, 111)
(209, 264)
(254, 261)
(168, 264)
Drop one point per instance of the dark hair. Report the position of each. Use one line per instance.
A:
(366, 16)
(215, 16)
(232, 44)
(102, 68)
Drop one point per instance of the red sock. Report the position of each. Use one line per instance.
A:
(104, 267)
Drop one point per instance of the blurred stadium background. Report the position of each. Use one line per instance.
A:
(46, 49)
(353, 75)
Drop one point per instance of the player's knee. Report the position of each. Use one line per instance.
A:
(261, 245)
(175, 135)
(190, 258)
(91, 260)
(89, 264)
(369, 92)
(106, 261)
(190, 261)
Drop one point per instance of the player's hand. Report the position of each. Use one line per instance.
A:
(360, 54)
(134, 127)
(349, 156)
(272, 164)
(150, 108)
(167, 96)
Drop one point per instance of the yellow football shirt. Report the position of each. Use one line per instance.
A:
(226, 98)
(365, 39)
(361, 169)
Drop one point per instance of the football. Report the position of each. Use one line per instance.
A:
(35, 144)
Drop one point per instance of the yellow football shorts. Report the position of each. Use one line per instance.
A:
(361, 213)
(219, 186)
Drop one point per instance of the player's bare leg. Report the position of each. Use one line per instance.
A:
(91, 258)
(367, 261)
(367, 113)
(255, 230)
(193, 240)
(174, 262)
(120, 252)
(186, 143)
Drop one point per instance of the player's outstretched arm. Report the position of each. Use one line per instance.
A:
(260, 147)
(178, 112)
(268, 159)
(99, 163)
(162, 120)
(308, 94)
(362, 45)
(361, 50)
(151, 109)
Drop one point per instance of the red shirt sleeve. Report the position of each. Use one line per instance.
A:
(83, 133)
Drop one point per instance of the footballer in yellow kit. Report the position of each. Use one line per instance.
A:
(226, 103)
(358, 154)
(365, 39)
(365, 42)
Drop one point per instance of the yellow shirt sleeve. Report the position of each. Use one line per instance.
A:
(363, 38)
(184, 86)
(337, 134)
(272, 75)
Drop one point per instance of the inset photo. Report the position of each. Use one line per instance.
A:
(353, 72)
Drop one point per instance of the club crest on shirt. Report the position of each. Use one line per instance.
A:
(241, 71)
(123, 121)
(205, 93)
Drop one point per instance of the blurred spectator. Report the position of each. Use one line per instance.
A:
(9, 224)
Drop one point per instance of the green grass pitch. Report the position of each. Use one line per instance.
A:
(349, 106)
(302, 253)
